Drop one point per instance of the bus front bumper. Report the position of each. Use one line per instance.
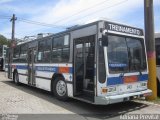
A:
(105, 100)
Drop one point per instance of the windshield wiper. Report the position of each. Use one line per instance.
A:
(121, 74)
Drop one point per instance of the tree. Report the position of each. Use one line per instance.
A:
(3, 40)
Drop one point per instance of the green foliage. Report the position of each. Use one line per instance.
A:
(3, 40)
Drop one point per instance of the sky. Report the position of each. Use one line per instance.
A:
(52, 16)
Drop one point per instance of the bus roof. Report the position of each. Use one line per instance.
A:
(79, 27)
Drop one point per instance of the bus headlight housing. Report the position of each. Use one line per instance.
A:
(112, 89)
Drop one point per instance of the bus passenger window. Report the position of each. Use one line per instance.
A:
(60, 49)
(44, 50)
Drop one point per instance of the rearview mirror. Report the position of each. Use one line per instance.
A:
(104, 40)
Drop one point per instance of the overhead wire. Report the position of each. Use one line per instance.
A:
(64, 27)
(100, 10)
(40, 23)
(84, 10)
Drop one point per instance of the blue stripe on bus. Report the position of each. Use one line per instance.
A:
(71, 70)
(46, 68)
(24, 67)
(43, 68)
(143, 77)
(119, 80)
(114, 80)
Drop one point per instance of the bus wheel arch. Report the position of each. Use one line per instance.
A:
(58, 80)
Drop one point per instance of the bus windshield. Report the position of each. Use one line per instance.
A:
(125, 54)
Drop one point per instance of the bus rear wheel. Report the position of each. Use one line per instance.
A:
(60, 89)
(16, 78)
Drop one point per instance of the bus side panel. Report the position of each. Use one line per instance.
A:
(43, 83)
(43, 75)
(22, 71)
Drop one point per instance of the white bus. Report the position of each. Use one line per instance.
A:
(157, 43)
(100, 63)
(3, 49)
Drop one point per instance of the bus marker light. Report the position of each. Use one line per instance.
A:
(63, 69)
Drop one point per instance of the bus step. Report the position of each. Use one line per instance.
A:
(88, 91)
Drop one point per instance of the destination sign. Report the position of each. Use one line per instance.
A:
(124, 29)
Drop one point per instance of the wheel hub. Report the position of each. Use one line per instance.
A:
(61, 88)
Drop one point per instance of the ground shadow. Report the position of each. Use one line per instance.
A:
(81, 108)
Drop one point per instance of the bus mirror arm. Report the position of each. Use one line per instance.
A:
(104, 38)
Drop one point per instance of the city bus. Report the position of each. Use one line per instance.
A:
(157, 43)
(100, 63)
(3, 49)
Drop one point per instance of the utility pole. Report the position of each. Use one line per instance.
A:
(12, 45)
(13, 19)
(150, 45)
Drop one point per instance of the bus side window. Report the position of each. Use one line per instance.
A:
(60, 49)
(44, 49)
(16, 53)
(47, 51)
(23, 53)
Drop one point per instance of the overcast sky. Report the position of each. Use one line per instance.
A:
(65, 13)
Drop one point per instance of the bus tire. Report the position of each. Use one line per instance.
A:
(16, 78)
(60, 89)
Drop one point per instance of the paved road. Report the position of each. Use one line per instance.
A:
(32, 103)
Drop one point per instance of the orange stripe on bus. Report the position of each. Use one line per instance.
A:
(63, 70)
(130, 79)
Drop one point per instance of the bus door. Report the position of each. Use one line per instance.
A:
(84, 59)
(31, 66)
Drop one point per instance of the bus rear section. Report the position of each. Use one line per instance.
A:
(123, 72)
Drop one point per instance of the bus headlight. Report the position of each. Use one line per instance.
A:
(112, 89)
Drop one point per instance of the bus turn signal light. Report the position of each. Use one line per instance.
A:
(104, 90)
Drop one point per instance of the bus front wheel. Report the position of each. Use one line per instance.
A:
(60, 89)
